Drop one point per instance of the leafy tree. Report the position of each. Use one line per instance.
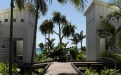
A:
(81, 37)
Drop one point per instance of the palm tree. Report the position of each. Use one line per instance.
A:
(50, 43)
(11, 36)
(43, 28)
(81, 37)
(46, 28)
(74, 39)
(65, 28)
(108, 29)
(41, 45)
(40, 7)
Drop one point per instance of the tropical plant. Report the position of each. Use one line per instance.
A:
(74, 52)
(90, 71)
(41, 45)
(4, 69)
(78, 4)
(59, 53)
(75, 39)
(108, 29)
(80, 56)
(50, 43)
(81, 37)
(46, 28)
(107, 71)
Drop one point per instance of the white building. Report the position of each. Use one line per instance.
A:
(23, 30)
(94, 13)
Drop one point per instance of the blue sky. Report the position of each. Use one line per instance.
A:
(72, 15)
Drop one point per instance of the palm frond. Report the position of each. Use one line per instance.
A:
(78, 4)
(115, 3)
(110, 55)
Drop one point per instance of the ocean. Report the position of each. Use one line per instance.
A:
(38, 50)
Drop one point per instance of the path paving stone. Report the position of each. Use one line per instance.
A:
(61, 68)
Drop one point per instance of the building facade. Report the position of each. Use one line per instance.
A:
(94, 43)
(23, 31)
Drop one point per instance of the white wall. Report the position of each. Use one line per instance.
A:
(21, 30)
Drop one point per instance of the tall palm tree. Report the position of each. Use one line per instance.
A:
(46, 28)
(74, 39)
(40, 7)
(43, 28)
(81, 37)
(11, 37)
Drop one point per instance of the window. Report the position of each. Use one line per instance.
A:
(0, 21)
(22, 20)
(101, 17)
(14, 20)
(6, 20)
(3, 46)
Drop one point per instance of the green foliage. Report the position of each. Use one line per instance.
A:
(106, 71)
(78, 4)
(4, 69)
(90, 72)
(74, 52)
(80, 56)
(59, 53)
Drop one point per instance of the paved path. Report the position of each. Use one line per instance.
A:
(59, 68)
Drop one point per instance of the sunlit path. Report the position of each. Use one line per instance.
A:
(60, 68)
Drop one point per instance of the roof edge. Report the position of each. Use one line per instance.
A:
(98, 2)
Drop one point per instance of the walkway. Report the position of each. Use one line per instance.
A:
(60, 68)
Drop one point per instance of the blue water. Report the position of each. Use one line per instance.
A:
(38, 50)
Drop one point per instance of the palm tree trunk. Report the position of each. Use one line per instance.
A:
(11, 36)
(34, 39)
(45, 38)
(81, 45)
(60, 34)
(49, 39)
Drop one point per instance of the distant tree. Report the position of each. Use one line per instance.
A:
(74, 39)
(81, 37)
(50, 43)
(41, 45)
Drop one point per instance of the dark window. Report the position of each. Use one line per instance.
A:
(22, 20)
(6, 20)
(3, 46)
(0, 21)
(101, 17)
(14, 20)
